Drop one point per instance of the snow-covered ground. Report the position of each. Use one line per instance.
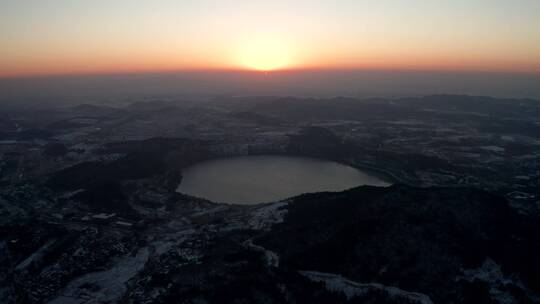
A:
(351, 289)
(271, 258)
(265, 217)
(106, 286)
(491, 273)
(36, 256)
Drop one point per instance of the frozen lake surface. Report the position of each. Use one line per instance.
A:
(258, 179)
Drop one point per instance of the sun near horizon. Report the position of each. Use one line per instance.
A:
(264, 54)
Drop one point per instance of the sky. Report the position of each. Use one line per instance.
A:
(49, 37)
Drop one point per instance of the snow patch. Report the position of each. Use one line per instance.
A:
(210, 211)
(490, 272)
(271, 258)
(122, 223)
(36, 256)
(351, 289)
(495, 149)
(265, 217)
(103, 286)
(103, 216)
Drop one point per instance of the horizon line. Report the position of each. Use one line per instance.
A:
(104, 73)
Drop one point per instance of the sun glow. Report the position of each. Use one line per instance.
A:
(265, 55)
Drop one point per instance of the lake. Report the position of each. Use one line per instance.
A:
(257, 179)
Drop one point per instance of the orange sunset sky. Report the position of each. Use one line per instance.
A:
(76, 37)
